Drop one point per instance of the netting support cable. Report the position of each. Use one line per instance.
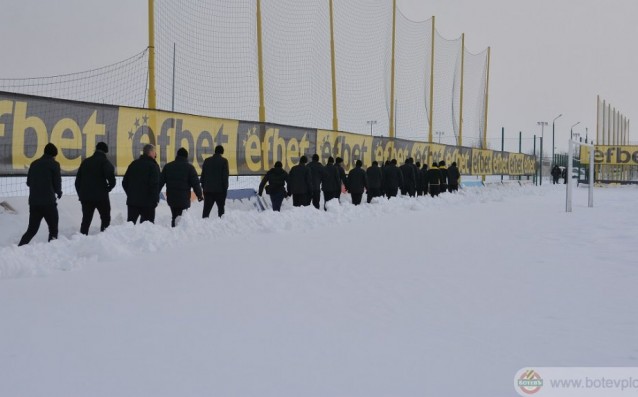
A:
(394, 34)
(335, 118)
(151, 55)
(173, 83)
(431, 118)
(260, 63)
(460, 140)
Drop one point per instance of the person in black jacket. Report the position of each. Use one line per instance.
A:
(419, 179)
(384, 170)
(300, 183)
(375, 181)
(392, 179)
(93, 182)
(317, 172)
(276, 189)
(454, 176)
(357, 182)
(180, 177)
(214, 179)
(141, 185)
(343, 179)
(555, 173)
(331, 182)
(444, 176)
(424, 178)
(45, 183)
(434, 180)
(409, 178)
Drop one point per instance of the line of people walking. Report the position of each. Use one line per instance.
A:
(306, 181)
(143, 182)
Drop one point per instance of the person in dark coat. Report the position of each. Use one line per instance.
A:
(276, 179)
(393, 179)
(409, 179)
(384, 170)
(300, 183)
(564, 175)
(45, 184)
(419, 179)
(141, 185)
(444, 176)
(454, 176)
(424, 178)
(556, 173)
(94, 181)
(331, 185)
(317, 172)
(180, 177)
(357, 183)
(434, 180)
(214, 179)
(375, 181)
(342, 175)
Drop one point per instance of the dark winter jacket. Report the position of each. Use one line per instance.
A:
(342, 176)
(443, 175)
(392, 178)
(409, 177)
(433, 176)
(556, 172)
(141, 182)
(299, 180)
(357, 180)
(331, 179)
(44, 181)
(453, 175)
(180, 177)
(215, 173)
(423, 176)
(276, 179)
(375, 178)
(317, 172)
(95, 178)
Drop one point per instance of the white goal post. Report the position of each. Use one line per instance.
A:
(573, 145)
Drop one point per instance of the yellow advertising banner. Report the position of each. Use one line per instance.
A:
(611, 155)
(170, 131)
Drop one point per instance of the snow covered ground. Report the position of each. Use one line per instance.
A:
(408, 297)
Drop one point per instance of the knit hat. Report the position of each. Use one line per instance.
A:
(182, 152)
(51, 150)
(103, 147)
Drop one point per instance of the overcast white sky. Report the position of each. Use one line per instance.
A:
(548, 56)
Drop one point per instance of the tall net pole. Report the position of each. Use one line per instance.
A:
(151, 55)
(460, 141)
(260, 63)
(394, 33)
(431, 118)
(335, 120)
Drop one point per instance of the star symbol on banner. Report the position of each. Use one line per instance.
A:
(145, 118)
(130, 135)
(137, 123)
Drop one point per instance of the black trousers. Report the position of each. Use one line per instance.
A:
(372, 193)
(145, 214)
(434, 190)
(391, 192)
(88, 209)
(277, 198)
(453, 188)
(36, 213)
(210, 199)
(555, 178)
(316, 198)
(175, 213)
(327, 196)
(443, 188)
(300, 200)
(356, 198)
